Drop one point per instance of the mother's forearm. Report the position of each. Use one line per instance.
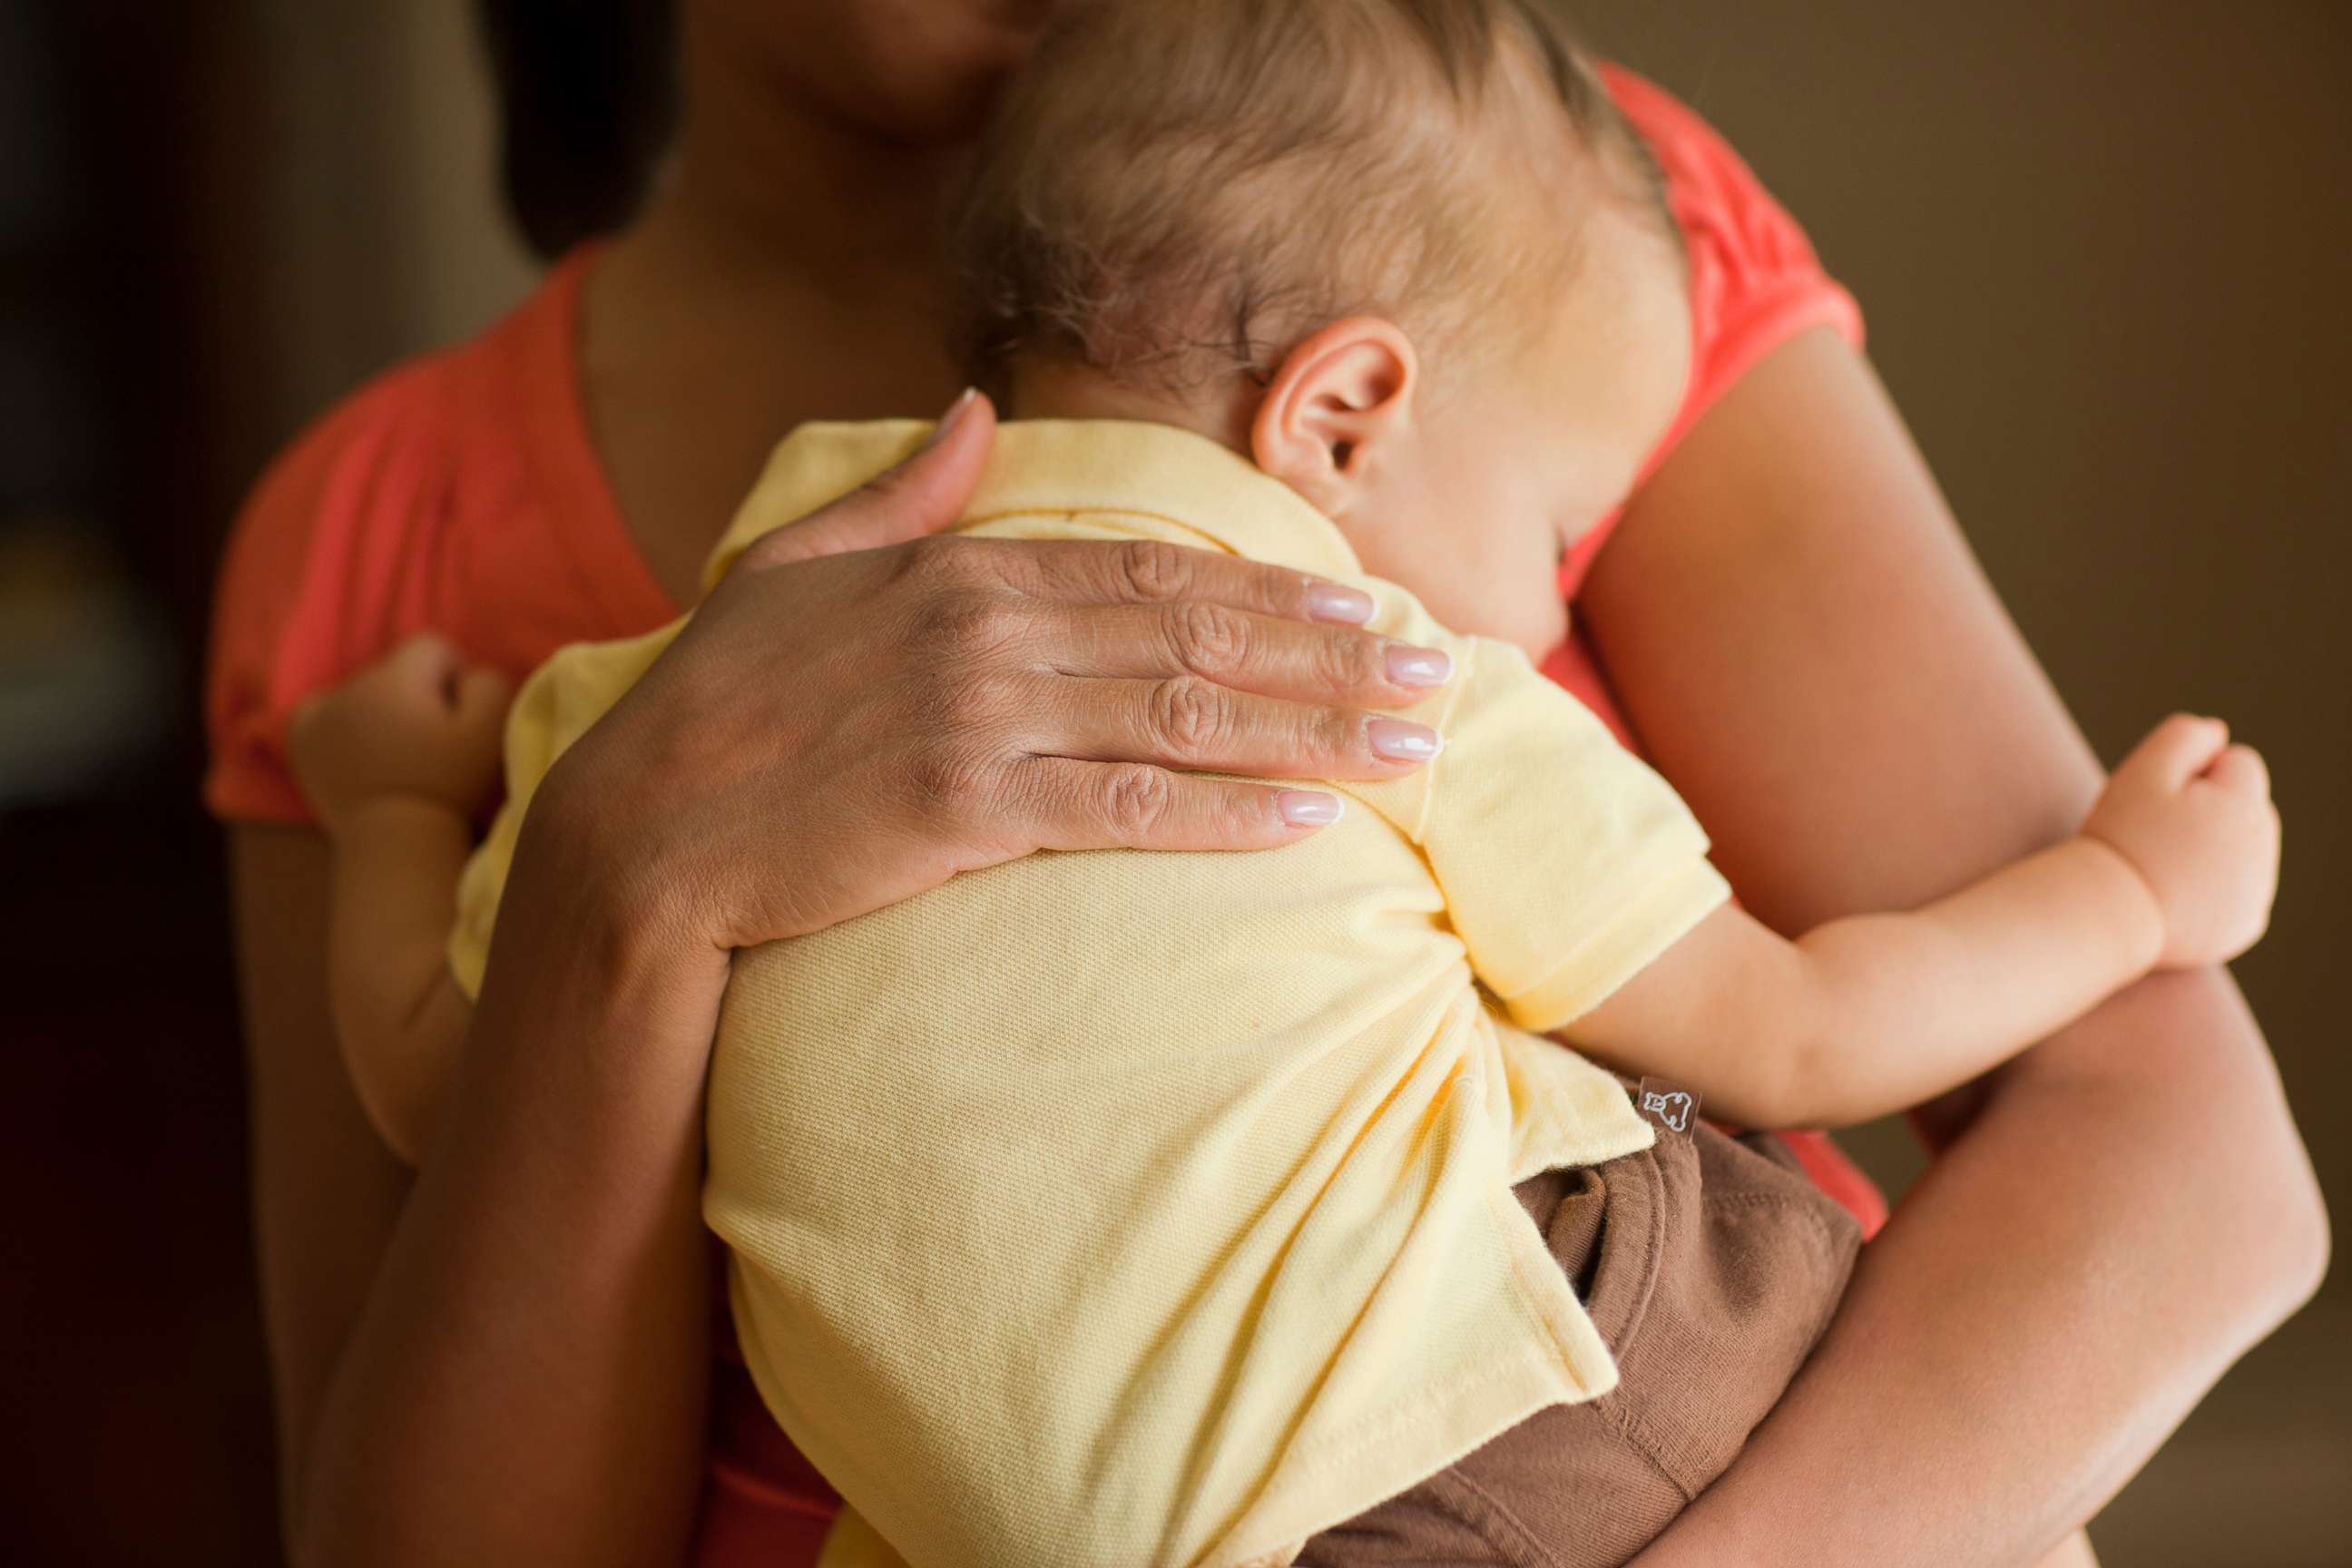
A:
(526, 1381)
(1801, 636)
(2047, 1347)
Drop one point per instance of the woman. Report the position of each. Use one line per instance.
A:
(505, 1355)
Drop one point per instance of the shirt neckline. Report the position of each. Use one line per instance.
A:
(1037, 464)
(1127, 468)
(551, 403)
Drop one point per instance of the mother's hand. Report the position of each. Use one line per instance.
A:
(860, 711)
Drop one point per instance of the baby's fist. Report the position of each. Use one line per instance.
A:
(417, 724)
(2193, 815)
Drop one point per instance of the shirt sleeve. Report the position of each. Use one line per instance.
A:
(309, 587)
(556, 706)
(1566, 863)
(1754, 279)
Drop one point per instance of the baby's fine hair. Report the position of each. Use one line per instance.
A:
(1174, 190)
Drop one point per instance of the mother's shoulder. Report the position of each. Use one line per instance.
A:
(386, 513)
(395, 444)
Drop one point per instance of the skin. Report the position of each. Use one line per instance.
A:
(396, 765)
(1861, 727)
(502, 1356)
(1522, 455)
(1519, 442)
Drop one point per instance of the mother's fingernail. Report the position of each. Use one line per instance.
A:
(1306, 808)
(1330, 602)
(1419, 666)
(948, 421)
(1402, 741)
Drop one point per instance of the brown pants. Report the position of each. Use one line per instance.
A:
(1710, 1265)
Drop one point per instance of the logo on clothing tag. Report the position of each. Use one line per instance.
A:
(1669, 1107)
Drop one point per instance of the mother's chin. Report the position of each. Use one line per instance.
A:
(919, 73)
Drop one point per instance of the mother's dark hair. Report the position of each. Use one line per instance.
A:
(588, 96)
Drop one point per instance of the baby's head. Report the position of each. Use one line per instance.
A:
(1403, 254)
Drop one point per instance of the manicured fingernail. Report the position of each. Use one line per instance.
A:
(1402, 741)
(948, 421)
(1306, 808)
(1330, 602)
(1419, 666)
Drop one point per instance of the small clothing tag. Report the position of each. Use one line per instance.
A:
(1671, 1106)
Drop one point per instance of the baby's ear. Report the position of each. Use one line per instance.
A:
(1335, 409)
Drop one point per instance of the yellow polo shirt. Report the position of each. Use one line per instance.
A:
(1122, 1208)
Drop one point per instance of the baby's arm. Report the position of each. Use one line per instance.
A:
(1861, 1017)
(395, 762)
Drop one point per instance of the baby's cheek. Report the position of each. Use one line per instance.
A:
(1520, 606)
(1498, 581)
(1546, 620)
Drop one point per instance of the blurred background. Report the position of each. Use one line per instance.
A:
(2101, 245)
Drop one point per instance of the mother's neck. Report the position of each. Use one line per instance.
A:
(768, 188)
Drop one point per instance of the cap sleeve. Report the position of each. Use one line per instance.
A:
(1754, 279)
(312, 584)
(1567, 864)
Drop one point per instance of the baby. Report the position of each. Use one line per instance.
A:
(1121, 1208)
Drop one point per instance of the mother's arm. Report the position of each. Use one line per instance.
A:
(505, 1360)
(1798, 632)
(503, 1357)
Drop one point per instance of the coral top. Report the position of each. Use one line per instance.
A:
(463, 492)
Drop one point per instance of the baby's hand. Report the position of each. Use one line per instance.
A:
(417, 724)
(2193, 815)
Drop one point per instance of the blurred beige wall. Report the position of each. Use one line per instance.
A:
(383, 226)
(2102, 248)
